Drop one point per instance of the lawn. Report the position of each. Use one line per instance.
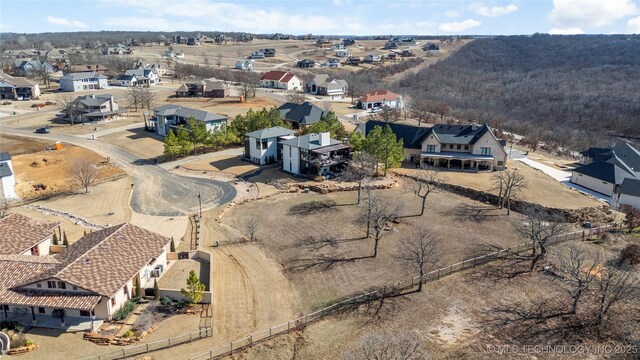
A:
(319, 250)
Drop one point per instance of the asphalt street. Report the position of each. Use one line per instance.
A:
(156, 191)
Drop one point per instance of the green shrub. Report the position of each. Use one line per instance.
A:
(128, 334)
(124, 311)
(181, 304)
(166, 301)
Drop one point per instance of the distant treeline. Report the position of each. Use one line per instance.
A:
(571, 90)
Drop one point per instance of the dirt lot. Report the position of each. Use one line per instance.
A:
(51, 168)
(176, 276)
(541, 188)
(136, 141)
(319, 251)
(232, 164)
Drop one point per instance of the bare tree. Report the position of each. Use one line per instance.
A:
(361, 167)
(219, 60)
(390, 114)
(84, 171)
(134, 97)
(615, 286)
(45, 75)
(68, 105)
(421, 253)
(427, 182)
(509, 184)
(380, 215)
(389, 346)
(252, 227)
(146, 97)
(577, 271)
(421, 111)
(539, 228)
(407, 106)
(295, 97)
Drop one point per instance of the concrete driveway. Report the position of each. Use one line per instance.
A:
(155, 190)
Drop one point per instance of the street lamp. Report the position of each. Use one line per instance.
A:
(200, 204)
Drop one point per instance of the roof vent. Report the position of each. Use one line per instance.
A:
(474, 126)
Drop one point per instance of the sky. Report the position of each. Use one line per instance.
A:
(327, 17)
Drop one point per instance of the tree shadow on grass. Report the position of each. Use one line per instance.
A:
(477, 214)
(312, 208)
(322, 262)
(375, 303)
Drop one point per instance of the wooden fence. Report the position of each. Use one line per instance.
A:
(300, 322)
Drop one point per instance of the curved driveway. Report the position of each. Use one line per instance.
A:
(156, 191)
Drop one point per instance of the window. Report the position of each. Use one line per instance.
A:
(500, 163)
(51, 284)
(85, 313)
(450, 146)
(459, 147)
(113, 301)
(485, 151)
(431, 148)
(38, 285)
(466, 147)
(264, 144)
(75, 287)
(41, 310)
(62, 285)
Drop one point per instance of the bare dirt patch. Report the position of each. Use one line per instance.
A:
(137, 141)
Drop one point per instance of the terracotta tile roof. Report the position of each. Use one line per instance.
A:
(103, 261)
(19, 233)
(379, 95)
(17, 269)
(287, 77)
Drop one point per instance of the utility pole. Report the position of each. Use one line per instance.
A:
(200, 204)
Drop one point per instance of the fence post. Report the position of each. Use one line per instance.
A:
(305, 318)
(124, 354)
(169, 342)
(190, 337)
(147, 347)
(288, 325)
(210, 354)
(270, 332)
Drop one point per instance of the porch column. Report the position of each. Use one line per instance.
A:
(448, 163)
(491, 165)
(477, 165)
(4, 309)
(62, 319)
(462, 164)
(33, 316)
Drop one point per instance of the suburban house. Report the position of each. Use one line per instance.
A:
(342, 53)
(193, 41)
(378, 99)
(117, 49)
(96, 108)
(168, 117)
(7, 178)
(331, 63)
(18, 88)
(26, 67)
(431, 49)
(144, 76)
(314, 155)
(84, 284)
(300, 116)
(280, 80)
(22, 235)
(450, 147)
(628, 194)
(261, 146)
(306, 63)
(83, 81)
(246, 65)
(322, 84)
(605, 169)
(125, 80)
(372, 58)
(203, 88)
(21, 54)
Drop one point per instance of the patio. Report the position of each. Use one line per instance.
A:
(71, 324)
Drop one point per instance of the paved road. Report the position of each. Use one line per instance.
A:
(156, 191)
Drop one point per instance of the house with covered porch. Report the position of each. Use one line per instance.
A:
(449, 147)
(313, 155)
(167, 117)
(83, 285)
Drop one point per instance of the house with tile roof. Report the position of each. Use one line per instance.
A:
(262, 146)
(167, 117)
(7, 178)
(471, 147)
(322, 84)
(313, 155)
(302, 115)
(83, 81)
(204, 88)
(280, 80)
(16, 87)
(90, 279)
(605, 169)
(22, 235)
(378, 99)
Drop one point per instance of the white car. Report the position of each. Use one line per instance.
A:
(375, 110)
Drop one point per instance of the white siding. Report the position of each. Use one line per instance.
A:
(286, 158)
(431, 140)
(291, 159)
(497, 151)
(629, 200)
(591, 183)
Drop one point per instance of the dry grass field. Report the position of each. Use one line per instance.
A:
(319, 251)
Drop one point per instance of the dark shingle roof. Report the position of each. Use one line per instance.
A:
(612, 170)
(200, 115)
(93, 100)
(630, 187)
(304, 114)
(459, 134)
(629, 155)
(5, 170)
(412, 136)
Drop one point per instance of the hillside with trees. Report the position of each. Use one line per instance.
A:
(572, 91)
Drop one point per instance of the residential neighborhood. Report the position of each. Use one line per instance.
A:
(345, 180)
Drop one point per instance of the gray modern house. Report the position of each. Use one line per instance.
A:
(167, 117)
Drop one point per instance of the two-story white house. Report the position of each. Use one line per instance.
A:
(89, 280)
(83, 81)
(449, 147)
(322, 84)
(261, 146)
(313, 155)
(7, 178)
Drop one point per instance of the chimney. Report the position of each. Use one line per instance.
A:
(111, 103)
(325, 139)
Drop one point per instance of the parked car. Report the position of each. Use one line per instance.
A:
(376, 110)
(42, 130)
(19, 98)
